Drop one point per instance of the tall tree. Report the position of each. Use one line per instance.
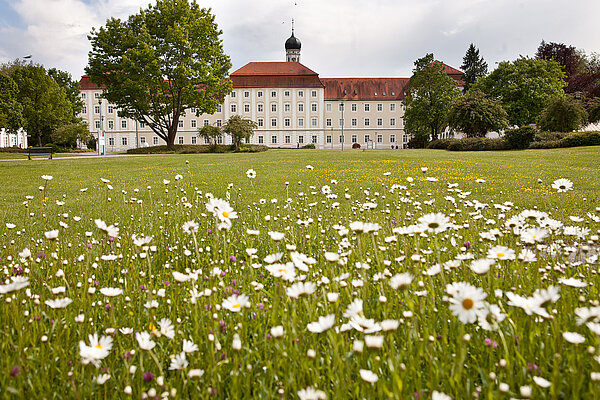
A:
(210, 133)
(430, 93)
(11, 117)
(523, 87)
(68, 135)
(473, 66)
(239, 129)
(71, 87)
(475, 114)
(159, 62)
(44, 102)
(563, 114)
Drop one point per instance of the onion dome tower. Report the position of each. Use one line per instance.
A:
(292, 47)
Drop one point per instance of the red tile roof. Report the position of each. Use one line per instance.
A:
(275, 74)
(86, 84)
(453, 73)
(365, 88)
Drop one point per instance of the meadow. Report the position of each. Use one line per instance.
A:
(305, 274)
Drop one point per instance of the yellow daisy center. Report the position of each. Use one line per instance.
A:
(468, 304)
(98, 346)
(152, 327)
(500, 255)
(225, 214)
(236, 306)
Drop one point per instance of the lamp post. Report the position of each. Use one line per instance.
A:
(101, 124)
(342, 107)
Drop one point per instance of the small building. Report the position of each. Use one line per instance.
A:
(18, 139)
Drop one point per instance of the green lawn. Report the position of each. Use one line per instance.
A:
(356, 314)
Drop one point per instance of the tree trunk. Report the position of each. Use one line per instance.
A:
(39, 140)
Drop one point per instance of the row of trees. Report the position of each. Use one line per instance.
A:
(43, 102)
(559, 90)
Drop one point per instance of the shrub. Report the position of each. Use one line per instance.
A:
(441, 143)
(12, 150)
(356, 146)
(549, 136)
(520, 138)
(477, 144)
(308, 146)
(582, 139)
(195, 149)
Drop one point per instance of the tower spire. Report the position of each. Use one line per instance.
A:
(292, 47)
(292, 26)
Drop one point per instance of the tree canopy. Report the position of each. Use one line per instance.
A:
(524, 87)
(11, 117)
(68, 135)
(473, 66)
(210, 133)
(71, 88)
(159, 62)
(563, 114)
(475, 114)
(239, 129)
(430, 93)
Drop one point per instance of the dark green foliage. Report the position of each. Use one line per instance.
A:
(68, 135)
(196, 149)
(582, 139)
(475, 114)
(520, 138)
(71, 88)
(309, 146)
(563, 114)
(592, 107)
(469, 144)
(524, 87)
(210, 133)
(11, 111)
(473, 66)
(428, 99)
(239, 129)
(159, 63)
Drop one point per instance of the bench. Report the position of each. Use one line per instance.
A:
(39, 151)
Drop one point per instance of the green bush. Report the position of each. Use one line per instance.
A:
(520, 138)
(582, 139)
(197, 148)
(550, 136)
(12, 150)
(441, 144)
(308, 146)
(478, 144)
(546, 144)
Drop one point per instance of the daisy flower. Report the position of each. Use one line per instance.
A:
(573, 337)
(401, 280)
(190, 227)
(51, 235)
(251, 173)
(189, 346)
(235, 303)
(501, 253)
(439, 395)
(311, 394)
(466, 301)
(323, 324)
(179, 362)
(434, 222)
(300, 288)
(481, 266)
(368, 376)
(97, 350)
(562, 185)
(58, 303)
(145, 340)
(111, 292)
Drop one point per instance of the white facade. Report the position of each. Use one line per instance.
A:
(18, 139)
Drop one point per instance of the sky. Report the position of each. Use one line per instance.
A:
(340, 38)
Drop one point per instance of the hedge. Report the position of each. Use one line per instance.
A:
(198, 148)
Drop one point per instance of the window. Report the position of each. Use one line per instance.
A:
(96, 95)
(314, 139)
(124, 124)
(288, 139)
(367, 107)
(124, 141)
(219, 108)
(180, 139)
(180, 123)
(273, 107)
(273, 93)
(392, 107)
(259, 94)
(261, 122)
(353, 107)
(367, 122)
(193, 110)
(379, 138)
(328, 138)
(379, 107)
(97, 124)
(193, 123)
(405, 138)
(206, 141)
(367, 138)
(301, 139)
(313, 93)
(313, 107)
(273, 139)
(260, 107)
(143, 140)
(328, 122)
(84, 110)
(392, 121)
(219, 139)
(194, 139)
(96, 109)
(83, 95)
(354, 138)
(286, 93)
(246, 93)
(313, 122)
(392, 138)
(246, 107)
(300, 93)
(232, 94)
(379, 121)
(300, 107)
(84, 121)
(273, 122)
(206, 122)
(219, 123)
(111, 109)
(354, 122)
(111, 141)
(261, 139)
(142, 125)
(328, 107)
(286, 122)
(300, 121)
(111, 124)
(233, 108)
(341, 107)
(286, 107)
(155, 140)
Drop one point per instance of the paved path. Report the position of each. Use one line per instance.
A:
(62, 156)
